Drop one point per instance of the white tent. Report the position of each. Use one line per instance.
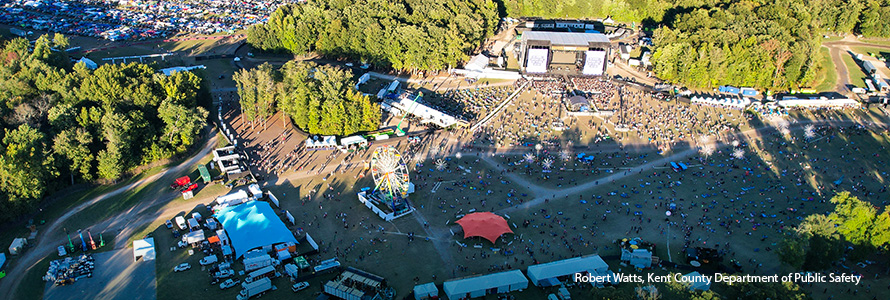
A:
(480, 285)
(194, 237)
(291, 270)
(638, 258)
(233, 199)
(425, 291)
(90, 64)
(144, 248)
(17, 246)
(697, 281)
(547, 274)
(477, 63)
(255, 190)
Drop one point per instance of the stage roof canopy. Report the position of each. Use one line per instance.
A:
(565, 38)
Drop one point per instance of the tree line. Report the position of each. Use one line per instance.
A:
(820, 239)
(705, 43)
(64, 123)
(318, 99)
(840, 16)
(406, 35)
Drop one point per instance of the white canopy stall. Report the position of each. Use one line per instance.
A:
(145, 249)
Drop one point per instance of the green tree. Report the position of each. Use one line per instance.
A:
(881, 230)
(73, 145)
(854, 218)
(25, 168)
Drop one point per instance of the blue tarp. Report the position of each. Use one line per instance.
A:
(728, 89)
(252, 225)
(748, 92)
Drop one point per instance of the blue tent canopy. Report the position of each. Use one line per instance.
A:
(253, 225)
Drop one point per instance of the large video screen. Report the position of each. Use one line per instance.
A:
(537, 61)
(593, 63)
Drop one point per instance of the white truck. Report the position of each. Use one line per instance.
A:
(180, 221)
(207, 260)
(254, 288)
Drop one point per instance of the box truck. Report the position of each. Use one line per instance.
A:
(255, 288)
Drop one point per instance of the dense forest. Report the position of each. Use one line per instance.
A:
(774, 45)
(318, 99)
(405, 35)
(64, 123)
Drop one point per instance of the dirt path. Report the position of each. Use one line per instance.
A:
(46, 245)
(843, 77)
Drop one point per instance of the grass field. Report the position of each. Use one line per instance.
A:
(826, 78)
(857, 76)
(879, 52)
(65, 202)
(115, 204)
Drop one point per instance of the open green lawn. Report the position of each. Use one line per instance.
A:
(66, 201)
(826, 78)
(832, 38)
(878, 52)
(120, 202)
(857, 76)
(202, 46)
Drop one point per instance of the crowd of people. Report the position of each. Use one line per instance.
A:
(137, 20)
(599, 92)
(666, 123)
(469, 103)
(523, 122)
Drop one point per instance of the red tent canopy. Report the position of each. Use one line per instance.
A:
(484, 224)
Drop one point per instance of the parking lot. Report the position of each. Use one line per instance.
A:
(116, 276)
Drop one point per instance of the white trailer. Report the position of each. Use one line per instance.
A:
(265, 272)
(255, 288)
(254, 263)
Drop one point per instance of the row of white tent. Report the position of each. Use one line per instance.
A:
(328, 141)
(541, 275)
(731, 102)
(822, 102)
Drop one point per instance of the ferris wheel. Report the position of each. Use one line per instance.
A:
(390, 175)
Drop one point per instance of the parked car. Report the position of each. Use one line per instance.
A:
(182, 267)
(300, 286)
(229, 283)
(62, 251)
(208, 260)
(226, 273)
(169, 224)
